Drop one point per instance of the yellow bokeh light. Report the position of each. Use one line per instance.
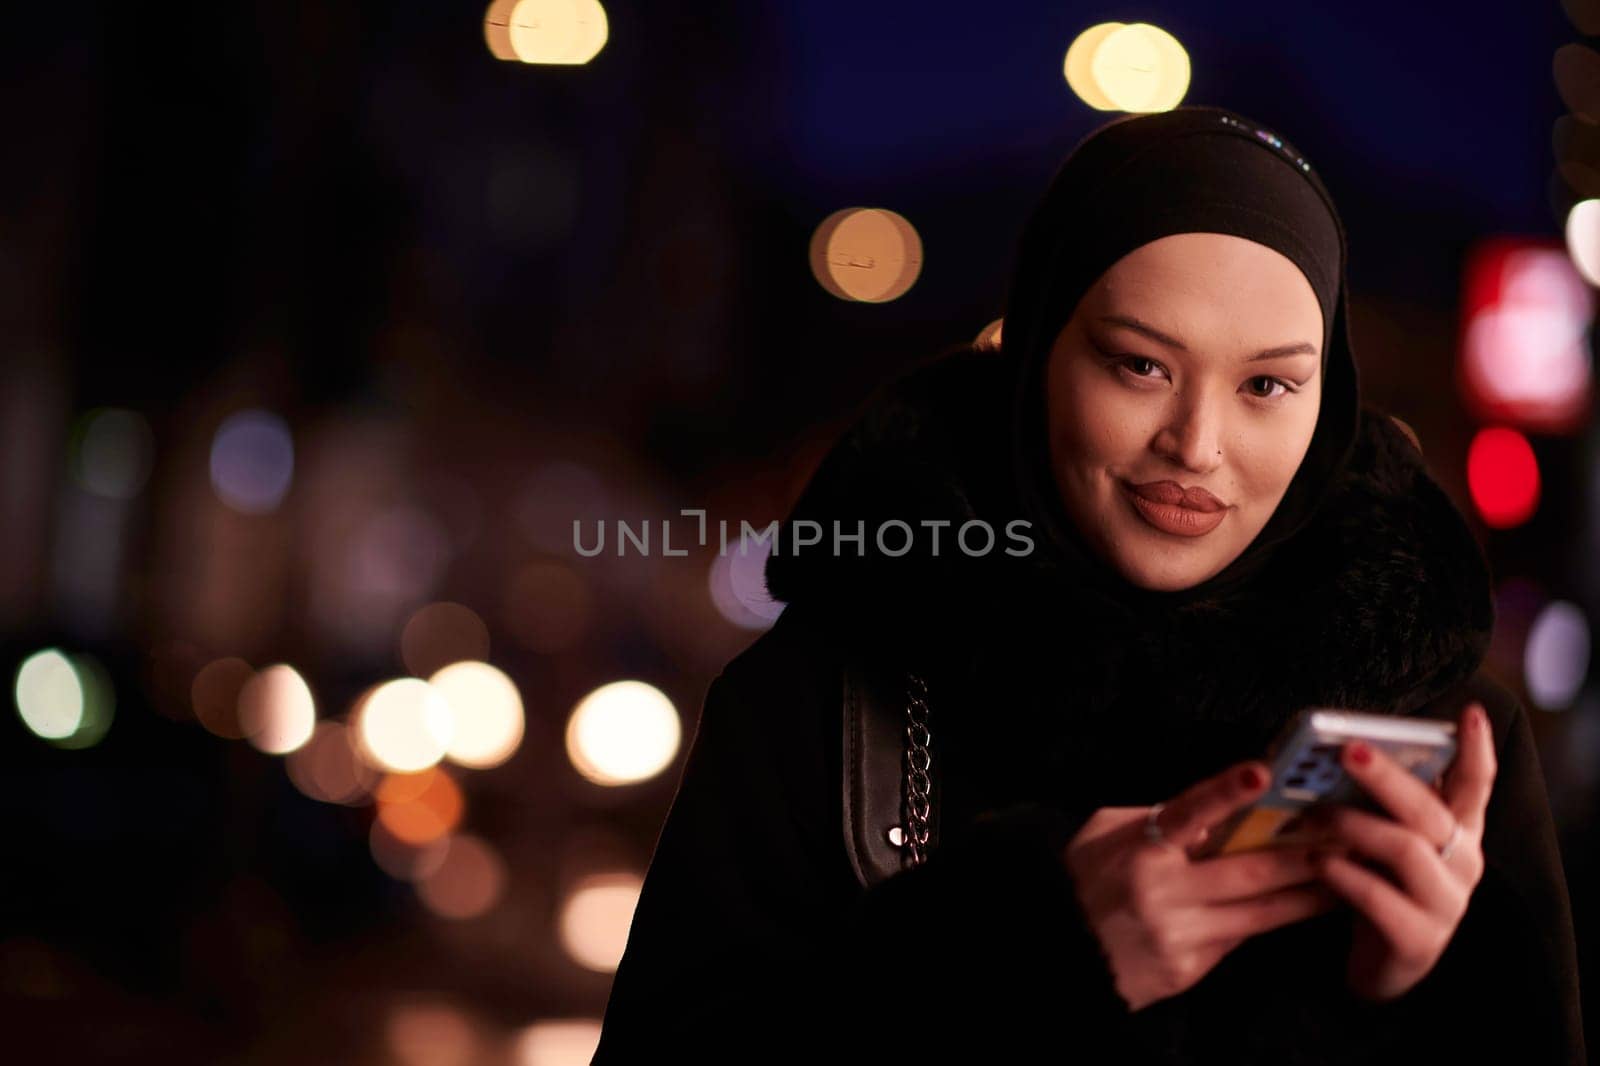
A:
(497, 29)
(557, 31)
(276, 711)
(593, 30)
(487, 711)
(1076, 66)
(870, 254)
(595, 919)
(623, 732)
(1115, 66)
(404, 726)
(49, 695)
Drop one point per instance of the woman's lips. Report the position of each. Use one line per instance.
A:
(1179, 521)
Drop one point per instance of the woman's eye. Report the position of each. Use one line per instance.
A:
(1271, 382)
(1134, 361)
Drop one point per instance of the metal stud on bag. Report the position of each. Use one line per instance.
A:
(918, 807)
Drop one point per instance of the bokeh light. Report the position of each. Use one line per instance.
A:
(557, 1042)
(420, 808)
(276, 711)
(1576, 68)
(215, 695)
(394, 559)
(866, 253)
(1585, 15)
(557, 31)
(99, 702)
(404, 725)
(486, 710)
(1525, 356)
(430, 1034)
(1583, 239)
(738, 584)
(327, 767)
(112, 452)
(1556, 661)
(468, 883)
(1503, 477)
(1140, 67)
(1114, 66)
(49, 696)
(497, 29)
(252, 461)
(990, 336)
(1076, 65)
(402, 861)
(65, 699)
(624, 732)
(440, 634)
(595, 918)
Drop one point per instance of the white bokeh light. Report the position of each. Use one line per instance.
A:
(49, 695)
(595, 919)
(623, 732)
(486, 710)
(276, 711)
(404, 725)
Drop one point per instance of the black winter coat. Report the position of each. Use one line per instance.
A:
(755, 942)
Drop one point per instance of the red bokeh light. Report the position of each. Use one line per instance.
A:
(1503, 477)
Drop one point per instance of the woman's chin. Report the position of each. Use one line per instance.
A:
(1163, 578)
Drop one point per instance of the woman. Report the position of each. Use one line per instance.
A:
(1103, 679)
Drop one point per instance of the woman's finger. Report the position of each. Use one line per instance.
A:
(1245, 918)
(1470, 779)
(1426, 879)
(1410, 931)
(1409, 801)
(1250, 873)
(1187, 818)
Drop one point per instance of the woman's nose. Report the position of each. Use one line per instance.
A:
(1192, 439)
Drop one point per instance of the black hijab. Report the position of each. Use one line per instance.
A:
(1131, 181)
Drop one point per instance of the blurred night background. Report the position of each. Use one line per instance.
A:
(323, 323)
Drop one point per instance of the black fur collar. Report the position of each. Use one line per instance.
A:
(1382, 602)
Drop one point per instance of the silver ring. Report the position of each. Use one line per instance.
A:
(1448, 848)
(1152, 828)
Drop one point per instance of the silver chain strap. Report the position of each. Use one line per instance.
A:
(918, 761)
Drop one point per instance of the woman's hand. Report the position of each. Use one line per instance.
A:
(1403, 925)
(1163, 919)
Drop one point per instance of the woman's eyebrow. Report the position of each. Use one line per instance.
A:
(1129, 322)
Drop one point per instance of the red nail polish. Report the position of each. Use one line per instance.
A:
(1360, 754)
(1250, 777)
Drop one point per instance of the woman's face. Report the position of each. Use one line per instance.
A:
(1195, 360)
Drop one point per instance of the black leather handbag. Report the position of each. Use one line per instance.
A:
(890, 791)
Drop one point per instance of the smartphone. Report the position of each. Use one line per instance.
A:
(1306, 773)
